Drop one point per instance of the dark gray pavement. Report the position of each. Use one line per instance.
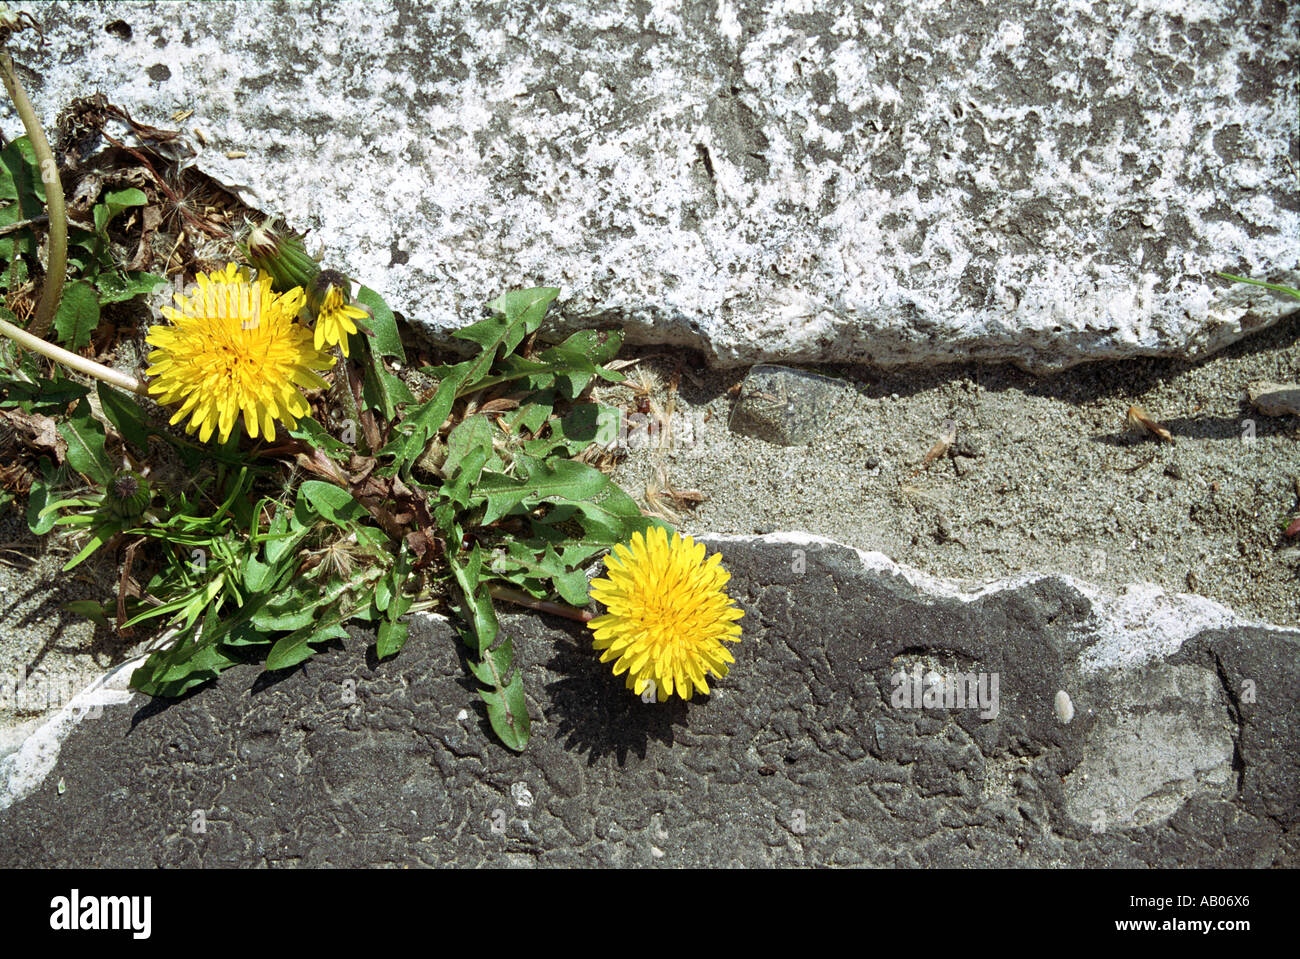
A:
(802, 756)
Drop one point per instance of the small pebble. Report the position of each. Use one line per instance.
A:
(1064, 707)
(1275, 399)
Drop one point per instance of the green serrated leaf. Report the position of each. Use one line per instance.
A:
(114, 202)
(392, 637)
(533, 413)
(124, 413)
(473, 433)
(564, 481)
(116, 287)
(389, 597)
(92, 610)
(366, 614)
(85, 436)
(385, 340)
(317, 498)
(312, 433)
(194, 658)
(380, 389)
(476, 604)
(517, 314)
(297, 646)
(581, 357)
(301, 602)
(78, 314)
(246, 634)
(572, 587)
(294, 609)
(460, 490)
(119, 200)
(43, 396)
(611, 517)
(21, 181)
(384, 591)
(508, 713)
(584, 424)
(284, 534)
(8, 181)
(40, 497)
(526, 305)
(259, 577)
(425, 420)
(507, 709)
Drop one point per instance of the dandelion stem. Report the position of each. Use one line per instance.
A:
(542, 606)
(58, 258)
(99, 371)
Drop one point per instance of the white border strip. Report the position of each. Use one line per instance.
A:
(23, 771)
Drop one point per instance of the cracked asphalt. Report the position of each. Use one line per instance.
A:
(802, 756)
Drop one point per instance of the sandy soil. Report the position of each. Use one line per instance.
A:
(1044, 474)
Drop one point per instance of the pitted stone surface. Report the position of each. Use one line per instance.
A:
(801, 756)
(1044, 182)
(1165, 737)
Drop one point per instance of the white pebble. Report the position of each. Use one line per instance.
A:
(1064, 708)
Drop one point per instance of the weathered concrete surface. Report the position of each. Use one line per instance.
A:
(1041, 182)
(1181, 749)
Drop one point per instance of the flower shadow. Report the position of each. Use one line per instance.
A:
(593, 712)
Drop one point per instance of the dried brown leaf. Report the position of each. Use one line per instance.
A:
(941, 446)
(1138, 421)
(37, 431)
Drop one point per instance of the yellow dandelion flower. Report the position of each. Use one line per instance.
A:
(668, 615)
(234, 347)
(336, 318)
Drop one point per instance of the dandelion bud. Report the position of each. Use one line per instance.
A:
(329, 290)
(280, 255)
(330, 303)
(128, 495)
